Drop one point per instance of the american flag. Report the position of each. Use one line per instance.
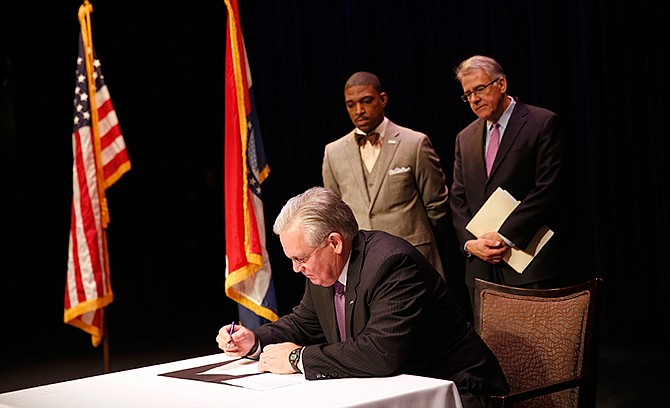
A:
(100, 158)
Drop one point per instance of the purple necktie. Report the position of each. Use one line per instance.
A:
(494, 142)
(339, 309)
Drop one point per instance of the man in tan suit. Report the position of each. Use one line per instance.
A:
(389, 175)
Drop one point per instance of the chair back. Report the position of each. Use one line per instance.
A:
(542, 337)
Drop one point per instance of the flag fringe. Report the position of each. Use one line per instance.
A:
(239, 276)
(87, 306)
(73, 317)
(112, 178)
(260, 310)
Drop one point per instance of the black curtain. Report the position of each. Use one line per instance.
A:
(598, 64)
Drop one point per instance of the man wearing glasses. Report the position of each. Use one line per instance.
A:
(399, 316)
(516, 147)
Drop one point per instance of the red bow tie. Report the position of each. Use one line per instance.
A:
(372, 137)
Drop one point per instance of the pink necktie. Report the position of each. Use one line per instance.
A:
(494, 142)
(339, 309)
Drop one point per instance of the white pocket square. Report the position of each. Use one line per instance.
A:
(399, 170)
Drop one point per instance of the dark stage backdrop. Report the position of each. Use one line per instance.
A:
(599, 64)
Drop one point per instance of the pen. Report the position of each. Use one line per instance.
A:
(232, 327)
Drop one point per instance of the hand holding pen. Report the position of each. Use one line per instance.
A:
(239, 345)
(232, 330)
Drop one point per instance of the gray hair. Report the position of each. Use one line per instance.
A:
(486, 64)
(319, 211)
(364, 78)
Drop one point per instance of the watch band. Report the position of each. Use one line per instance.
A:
(294, 359)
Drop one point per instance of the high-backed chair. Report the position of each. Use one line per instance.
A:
(545, 341)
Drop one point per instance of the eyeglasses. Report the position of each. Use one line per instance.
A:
(477, 91)
(302, 261)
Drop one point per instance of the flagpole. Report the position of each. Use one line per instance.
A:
(87, 37)
(107, 364)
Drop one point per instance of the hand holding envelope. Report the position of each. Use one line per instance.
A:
(492, 215)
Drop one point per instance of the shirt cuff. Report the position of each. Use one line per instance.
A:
(465, 250)
(301, 366)
(255, 351)
(507, 241)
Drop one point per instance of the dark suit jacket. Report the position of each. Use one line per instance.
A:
(527, 166)
(401, 319)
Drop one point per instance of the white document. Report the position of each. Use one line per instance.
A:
(247, 376)
(241, 366)
(492, 215)
(267, 381)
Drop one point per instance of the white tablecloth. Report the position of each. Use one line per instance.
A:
(144, 387)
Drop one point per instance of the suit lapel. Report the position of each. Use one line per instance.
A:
(353, 280)
(516, 122)
(473, 158)
(390, 144)
(331, 331)
(323, 297)
(324, 305)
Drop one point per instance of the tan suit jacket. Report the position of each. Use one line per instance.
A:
(410, 199)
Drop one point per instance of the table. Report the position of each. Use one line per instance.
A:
(144, 387)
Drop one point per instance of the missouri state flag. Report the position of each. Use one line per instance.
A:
(248, 272)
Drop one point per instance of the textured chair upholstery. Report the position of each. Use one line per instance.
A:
(544, 341)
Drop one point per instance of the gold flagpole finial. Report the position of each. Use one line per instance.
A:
(85, 9)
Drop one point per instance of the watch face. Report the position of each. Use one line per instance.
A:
(293, 358)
